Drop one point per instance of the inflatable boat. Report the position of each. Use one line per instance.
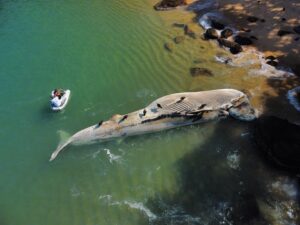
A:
(58, 103)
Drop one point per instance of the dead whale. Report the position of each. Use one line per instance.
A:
(167, 112)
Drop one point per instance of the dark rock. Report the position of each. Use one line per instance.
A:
(168, 4)
(211, 33)
(270, 57)
(217, 25)
(226, 43)
(242, 40)
(169, 47)
(179, 39)
(246, 30)
(297, 39)
(236, 49)
(272, 63)
(262, 20)
(226, 33)
(252, 19)
(246, 206)
(179, 25)
(283, 19)
(281, 33)
(198, 61)
(188, 31)
(197, 71)
(297, 29)
(253, 37)
(279, 140)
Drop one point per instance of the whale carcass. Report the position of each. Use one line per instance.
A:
(167, 112)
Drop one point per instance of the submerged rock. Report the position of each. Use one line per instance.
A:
(198, 71)
(245, 29)
(253, 37)
(168, 4)
(211, 33)
(281, 33)
(188, 31)
(279, 140)
(297, 29)
(226, 43)
(179, 39)
(272, 63)
(180, 25)
(226, 33)
(252, 19)
(169, 47)
(236, 49)
(217, 25)
(271, 57)
(241, 40)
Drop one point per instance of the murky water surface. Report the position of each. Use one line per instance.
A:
(111, 55)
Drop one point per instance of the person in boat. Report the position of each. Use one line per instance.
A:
(56, 101)
(58, 92)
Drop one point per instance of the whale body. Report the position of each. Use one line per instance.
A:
(170, 111)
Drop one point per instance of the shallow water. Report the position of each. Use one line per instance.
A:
(111, 55)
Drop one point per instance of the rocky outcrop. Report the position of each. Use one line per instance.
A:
(252, 19)
(198, 71)
(169, 47)
(236, 48)
(217, 25)
(279, 141)
(179, 39)
(189, 32)
(281, 33)
(211, 33)
(242, 40)
(226, 43)
(226, 33)
(168, 4)
(297, 29)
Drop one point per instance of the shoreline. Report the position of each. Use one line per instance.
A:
(269, 63)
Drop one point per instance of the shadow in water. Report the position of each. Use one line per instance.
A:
(222, 181)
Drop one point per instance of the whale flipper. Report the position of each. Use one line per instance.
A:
(59, 148)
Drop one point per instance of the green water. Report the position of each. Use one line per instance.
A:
(110, 54)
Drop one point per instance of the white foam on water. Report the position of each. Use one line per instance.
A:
(112, 157)
(131, 204)
(141, 207)
(292, 97)
(105, 198)
(268, 70)
(245, 134)
(224, 59)
(75, 192)
(233, 160)
(205, 19)
(95, 154)
(286, 186)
